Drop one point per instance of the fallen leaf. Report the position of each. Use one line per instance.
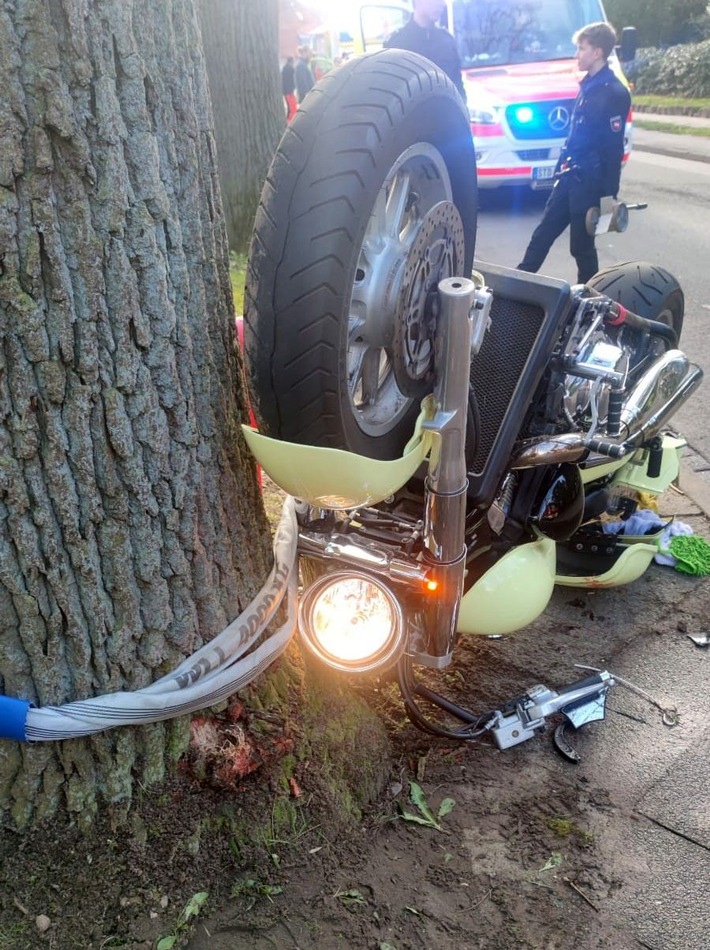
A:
(416, 793)
(554, 861)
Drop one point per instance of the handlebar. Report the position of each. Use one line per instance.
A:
(619, 315)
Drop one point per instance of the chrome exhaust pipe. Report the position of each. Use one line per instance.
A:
(549, 450)
(658, 395)
(649, 406)
(644, 413)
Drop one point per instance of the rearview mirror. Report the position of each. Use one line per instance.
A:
(626, 50)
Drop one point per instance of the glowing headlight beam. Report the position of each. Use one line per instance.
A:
(351, 622)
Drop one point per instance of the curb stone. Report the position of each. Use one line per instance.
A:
(694, 479)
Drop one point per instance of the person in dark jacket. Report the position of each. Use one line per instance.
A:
(422, 35)
(304, 76)
(589, 167)
(288, 86)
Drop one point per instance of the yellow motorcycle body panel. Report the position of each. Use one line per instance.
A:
(333, 478)
(633, 473)
(628, 567)
(512, 593)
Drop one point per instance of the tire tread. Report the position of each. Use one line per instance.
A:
(313, 209)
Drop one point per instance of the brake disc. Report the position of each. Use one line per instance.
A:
(436, 252)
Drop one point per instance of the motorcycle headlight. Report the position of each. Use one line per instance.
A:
(351, 622)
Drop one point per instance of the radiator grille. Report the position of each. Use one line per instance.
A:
(498, 367)
(548, 119)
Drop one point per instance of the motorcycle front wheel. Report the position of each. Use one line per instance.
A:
(369, 202)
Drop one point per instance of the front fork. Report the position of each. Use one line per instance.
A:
(462, 322)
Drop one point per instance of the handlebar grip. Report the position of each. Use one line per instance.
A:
(618, 315)
(634, 321)
(597, 680)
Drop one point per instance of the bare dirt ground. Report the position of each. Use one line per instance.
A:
(536, 852)
(531, 851)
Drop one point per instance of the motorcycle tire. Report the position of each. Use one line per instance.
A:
(370, 196)
(644, 289)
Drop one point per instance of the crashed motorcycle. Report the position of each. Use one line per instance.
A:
(456, 434)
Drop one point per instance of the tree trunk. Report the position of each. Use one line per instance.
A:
(127, 498)
(241, 50)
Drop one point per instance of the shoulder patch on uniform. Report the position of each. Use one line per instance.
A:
(616, 122)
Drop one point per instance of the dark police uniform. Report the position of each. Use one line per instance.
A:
(589, 168)
(435, 43)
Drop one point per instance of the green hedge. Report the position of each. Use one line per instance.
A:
(682, 71)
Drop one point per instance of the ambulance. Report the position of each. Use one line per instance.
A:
(519, 73)
(521, 80)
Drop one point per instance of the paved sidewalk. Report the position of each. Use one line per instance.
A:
(671, 912)
(657, 776)
(695, 474)
(692, 147)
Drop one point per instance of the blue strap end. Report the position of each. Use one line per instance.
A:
(13, 717)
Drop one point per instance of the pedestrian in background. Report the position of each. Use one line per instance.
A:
(304, 76)
(288, 85)
(422, 35)
(589, 167)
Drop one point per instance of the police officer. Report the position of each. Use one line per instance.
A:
(589, 167)
(422, 35)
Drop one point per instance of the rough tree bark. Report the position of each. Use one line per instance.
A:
(241, 49)
(127, 499)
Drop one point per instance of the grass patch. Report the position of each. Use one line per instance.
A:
(680, 106)
(674, 106)
(673, 127)
(565, 827)
(237, 275)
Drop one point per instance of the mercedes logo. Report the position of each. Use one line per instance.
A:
(558, 118)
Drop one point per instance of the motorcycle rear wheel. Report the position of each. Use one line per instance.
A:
(645, 289)
(369, 201)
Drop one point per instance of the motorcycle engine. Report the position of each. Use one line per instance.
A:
(593, 361)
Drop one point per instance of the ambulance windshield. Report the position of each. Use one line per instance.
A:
(502, 32)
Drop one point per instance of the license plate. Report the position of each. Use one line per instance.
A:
(543, 174)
